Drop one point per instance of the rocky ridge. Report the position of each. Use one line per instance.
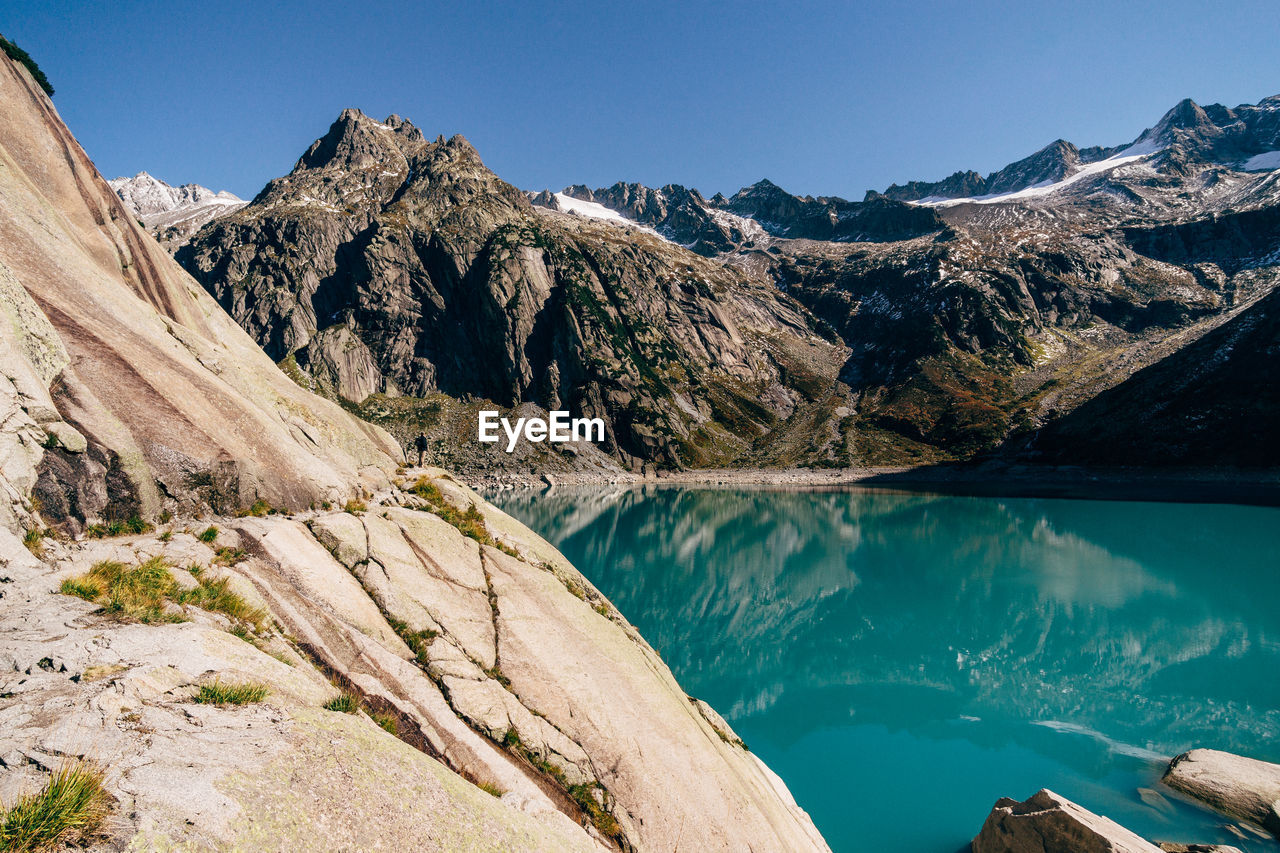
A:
(1189, 140)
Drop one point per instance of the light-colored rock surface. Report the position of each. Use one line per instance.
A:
(1240, 787)
(1048, 823)
(526, 687)
(280, 775)
(103, 331)
(510, 672)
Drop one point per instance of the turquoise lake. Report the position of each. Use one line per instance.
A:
(903, 660)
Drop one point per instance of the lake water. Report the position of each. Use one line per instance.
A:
(903, 660)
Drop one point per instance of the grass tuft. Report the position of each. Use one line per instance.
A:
(417, 641)
(130, 526)
(470, 522)
(259, 509)
(345, 702)
(223, 693)
(490, 788)
(208, 535)
(585, 797)
(34, 540)
(355, 506)
(82, 587)
(216, 596)
(142, 594)
(386, 721)
(228, 556)
(72, 805)
(132, 594)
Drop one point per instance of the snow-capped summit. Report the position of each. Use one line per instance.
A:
(172, 213)
(1190, 143)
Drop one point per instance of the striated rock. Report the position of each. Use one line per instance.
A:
(527, 681)
(282, 774)
(1243, 788)
(1048, 823)
(177, 407)
(343, 534)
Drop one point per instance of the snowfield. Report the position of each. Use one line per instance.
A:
(1140, 150)
(591, 209)
(1262, 162)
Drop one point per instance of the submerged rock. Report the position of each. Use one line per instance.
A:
(1243, 788)
(1048, 823)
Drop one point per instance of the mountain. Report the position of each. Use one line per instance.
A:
(225, 606)
(1200, 144)
(1215, 403)
(173, 214)
(388, 264)
(751, 218)
(937, 325)
(1085, 267)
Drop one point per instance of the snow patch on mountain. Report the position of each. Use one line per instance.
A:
(1262, 162)
(595, 210)
(172, 214)
(750, 228)
(590, 209)
(1141, 150)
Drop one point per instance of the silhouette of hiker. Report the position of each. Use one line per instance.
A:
(420, 443)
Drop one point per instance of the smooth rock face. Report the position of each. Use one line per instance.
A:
(156, 399)
(1243, 788)
(1048, 823)
(283, 774)
(527, 680)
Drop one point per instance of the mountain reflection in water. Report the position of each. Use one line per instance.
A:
(954, 648)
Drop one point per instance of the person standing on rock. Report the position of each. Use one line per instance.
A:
(420, 443)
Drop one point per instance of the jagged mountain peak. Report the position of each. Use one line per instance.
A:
(1186, 114)
(582, 192)
(361, 162)
(356, 141)
(1051, 163)
(762, 187)
(172, 214)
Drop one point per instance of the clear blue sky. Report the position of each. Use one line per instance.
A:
(823, 98)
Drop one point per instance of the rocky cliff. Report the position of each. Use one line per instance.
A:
(387, 263)
(243, 675)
